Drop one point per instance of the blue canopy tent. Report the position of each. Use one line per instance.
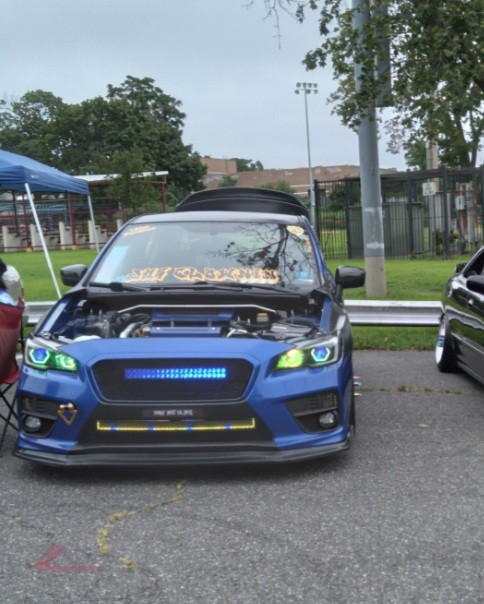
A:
(20, 173)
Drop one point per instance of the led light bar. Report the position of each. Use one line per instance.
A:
(152, 425)
(177, 373)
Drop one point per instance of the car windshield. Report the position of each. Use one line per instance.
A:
(176, 253)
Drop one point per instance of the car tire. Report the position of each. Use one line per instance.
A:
(444, 349)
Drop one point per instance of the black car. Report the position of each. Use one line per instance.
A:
(460, 344)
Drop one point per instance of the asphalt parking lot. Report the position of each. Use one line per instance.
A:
(397, 519)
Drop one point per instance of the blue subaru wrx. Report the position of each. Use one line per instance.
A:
(212, 334)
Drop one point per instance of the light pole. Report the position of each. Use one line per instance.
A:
(307, 88)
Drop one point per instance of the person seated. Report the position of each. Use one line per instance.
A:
(11, 288)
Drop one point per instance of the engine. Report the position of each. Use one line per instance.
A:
(160, 321)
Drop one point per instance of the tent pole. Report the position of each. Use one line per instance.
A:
(41, 235)
(17, 226)
(91, 213)
(26, 222)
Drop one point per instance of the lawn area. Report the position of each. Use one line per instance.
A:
(408, 279)
(36, 277)
(412, 279)
(419, 279)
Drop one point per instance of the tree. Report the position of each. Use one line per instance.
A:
(136, 116)
(278, 185)
(29, 126)
(227, 180)
(416, 155)
(337, 198)
(437, 68)
(133, 192)
(247, 165)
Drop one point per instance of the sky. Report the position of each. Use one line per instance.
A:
(234, 75)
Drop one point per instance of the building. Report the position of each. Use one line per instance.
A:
(217, 169)
(297, 178)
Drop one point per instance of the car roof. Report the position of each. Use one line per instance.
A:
(243, 199)
(204, 216)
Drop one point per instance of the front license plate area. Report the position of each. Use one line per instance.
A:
(174, 413)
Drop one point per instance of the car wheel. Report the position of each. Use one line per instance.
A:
(444, 349)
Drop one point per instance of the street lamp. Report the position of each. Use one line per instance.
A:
(307, 88)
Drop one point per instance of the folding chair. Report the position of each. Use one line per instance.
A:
(10, 334)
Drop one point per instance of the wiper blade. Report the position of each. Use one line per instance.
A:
(194, 285)
(230, 285)
(236, 285)
(117, 286)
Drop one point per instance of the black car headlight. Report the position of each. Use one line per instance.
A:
(40, 355)
(313, 354)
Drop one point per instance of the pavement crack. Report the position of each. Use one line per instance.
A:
(103, 534)
(417, 389)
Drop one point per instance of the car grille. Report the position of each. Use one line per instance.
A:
(165, 380)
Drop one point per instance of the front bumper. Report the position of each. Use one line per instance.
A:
(277, 403)
(182, 458)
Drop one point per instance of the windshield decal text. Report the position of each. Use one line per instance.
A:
(138, 230)
(190, 274)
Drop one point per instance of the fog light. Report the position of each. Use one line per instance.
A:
(328, 419)
(32, 424)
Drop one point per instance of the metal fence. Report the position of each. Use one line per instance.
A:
(433, 213)
(16, 215)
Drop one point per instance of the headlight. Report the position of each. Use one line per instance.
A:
(314, 354)
(41, 356)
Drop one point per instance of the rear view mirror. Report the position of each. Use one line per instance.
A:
(349, 276)
(71, 275)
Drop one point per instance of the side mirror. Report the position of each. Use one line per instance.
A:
(349, 276)
(71, 275)
(476, 284)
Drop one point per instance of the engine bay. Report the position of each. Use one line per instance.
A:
(95, 319)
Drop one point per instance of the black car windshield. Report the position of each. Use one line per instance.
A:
(177, 253)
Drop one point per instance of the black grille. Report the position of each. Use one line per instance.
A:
(181, 380)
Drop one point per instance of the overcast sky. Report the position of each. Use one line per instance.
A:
(222, 60)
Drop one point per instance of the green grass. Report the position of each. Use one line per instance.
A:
(406, 280)
(36, 277)
(412, 279)
(394, 338)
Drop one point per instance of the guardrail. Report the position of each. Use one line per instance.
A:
(361, 312)
(394, 313)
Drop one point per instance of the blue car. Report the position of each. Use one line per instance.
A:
(210, 335)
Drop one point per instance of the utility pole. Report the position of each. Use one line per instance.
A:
(371, 201)
(432, 156)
